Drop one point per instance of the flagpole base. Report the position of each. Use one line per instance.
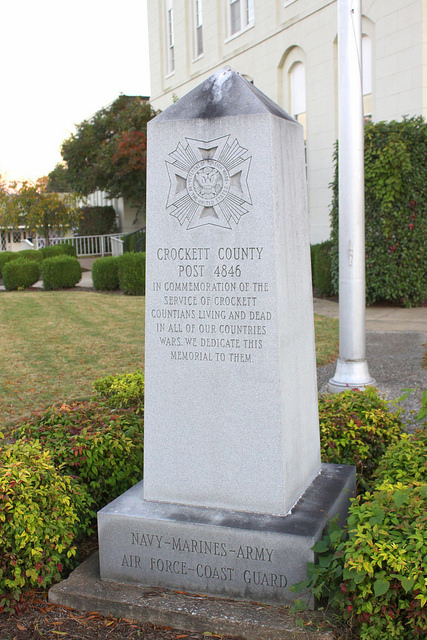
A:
(350, 374)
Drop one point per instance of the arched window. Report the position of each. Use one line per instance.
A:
(298, 93)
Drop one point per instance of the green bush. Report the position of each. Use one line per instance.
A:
(132, 273)
(405, 461)
(395, 212)
(104, 448)
(375, 575)
(62, 249)
(30, 254)
(122, 391)
(61, 272)
(105, 274)
(321, 268)
(6, 256)
(97, 221)
(356, 427)
(20, 273)
(40, 510)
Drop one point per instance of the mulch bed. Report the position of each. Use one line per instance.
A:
(39, 620)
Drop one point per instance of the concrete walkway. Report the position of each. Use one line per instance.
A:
(380, 318)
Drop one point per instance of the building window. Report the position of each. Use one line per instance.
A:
(367, 77)
(16, 236)
(241, 15)
(297, 91)
(170, 36)
(198, 28)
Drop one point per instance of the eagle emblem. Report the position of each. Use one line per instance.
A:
(208, 182)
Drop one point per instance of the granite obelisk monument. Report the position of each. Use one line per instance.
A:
(234, 494)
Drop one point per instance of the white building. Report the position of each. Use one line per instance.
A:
(288, 48)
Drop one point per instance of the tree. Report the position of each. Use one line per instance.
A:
(39, 211)
(108, 152)
(58, 180)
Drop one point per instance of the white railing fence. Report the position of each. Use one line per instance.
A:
(89, 245)
(116, 246)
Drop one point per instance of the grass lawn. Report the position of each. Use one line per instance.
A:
(54, 344)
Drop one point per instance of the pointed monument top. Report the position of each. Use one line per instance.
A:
(224, 93)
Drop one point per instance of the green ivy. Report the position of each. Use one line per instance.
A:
(395, 212)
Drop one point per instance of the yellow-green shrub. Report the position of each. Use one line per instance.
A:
(356, 427)
(41, 516)
(104, 448)
(123, 390)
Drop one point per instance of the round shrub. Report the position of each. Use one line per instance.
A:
(105, 274)
(132, 273)
(61, 272)
(31, 254)
(6, 256)
(20, 273)
(356, 427)
(123, 390)
(103, 448)
(58, 250)
(40, 511)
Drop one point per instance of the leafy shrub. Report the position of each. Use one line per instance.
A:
(356, 427)
(39, 520)
(30, 254)
(102, 447)
(105, 274)
(376, 575)
(61, 272)
(321, 268)
(132, 273)
(395, 212)
(404, 461)
(123, 390)
(6, 256)
(96, 221)
(62, 249)
(21, 273)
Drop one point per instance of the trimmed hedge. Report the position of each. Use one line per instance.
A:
(105, 274)
(132, 273)
(395, 212)
(62, 249)
(30, 254)
(6, 256)
(321, 268)
(20, 273)
(61, 272)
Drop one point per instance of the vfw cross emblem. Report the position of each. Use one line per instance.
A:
(208, 182)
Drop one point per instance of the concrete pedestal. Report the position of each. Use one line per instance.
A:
(232, 554)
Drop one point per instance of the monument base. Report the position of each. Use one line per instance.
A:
(231, 554)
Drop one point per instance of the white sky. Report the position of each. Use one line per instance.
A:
(61, 62)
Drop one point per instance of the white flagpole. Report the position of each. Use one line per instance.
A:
(352, 367)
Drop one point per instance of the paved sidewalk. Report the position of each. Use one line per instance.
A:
(380, 318)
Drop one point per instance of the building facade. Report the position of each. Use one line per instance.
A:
(288, 48)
